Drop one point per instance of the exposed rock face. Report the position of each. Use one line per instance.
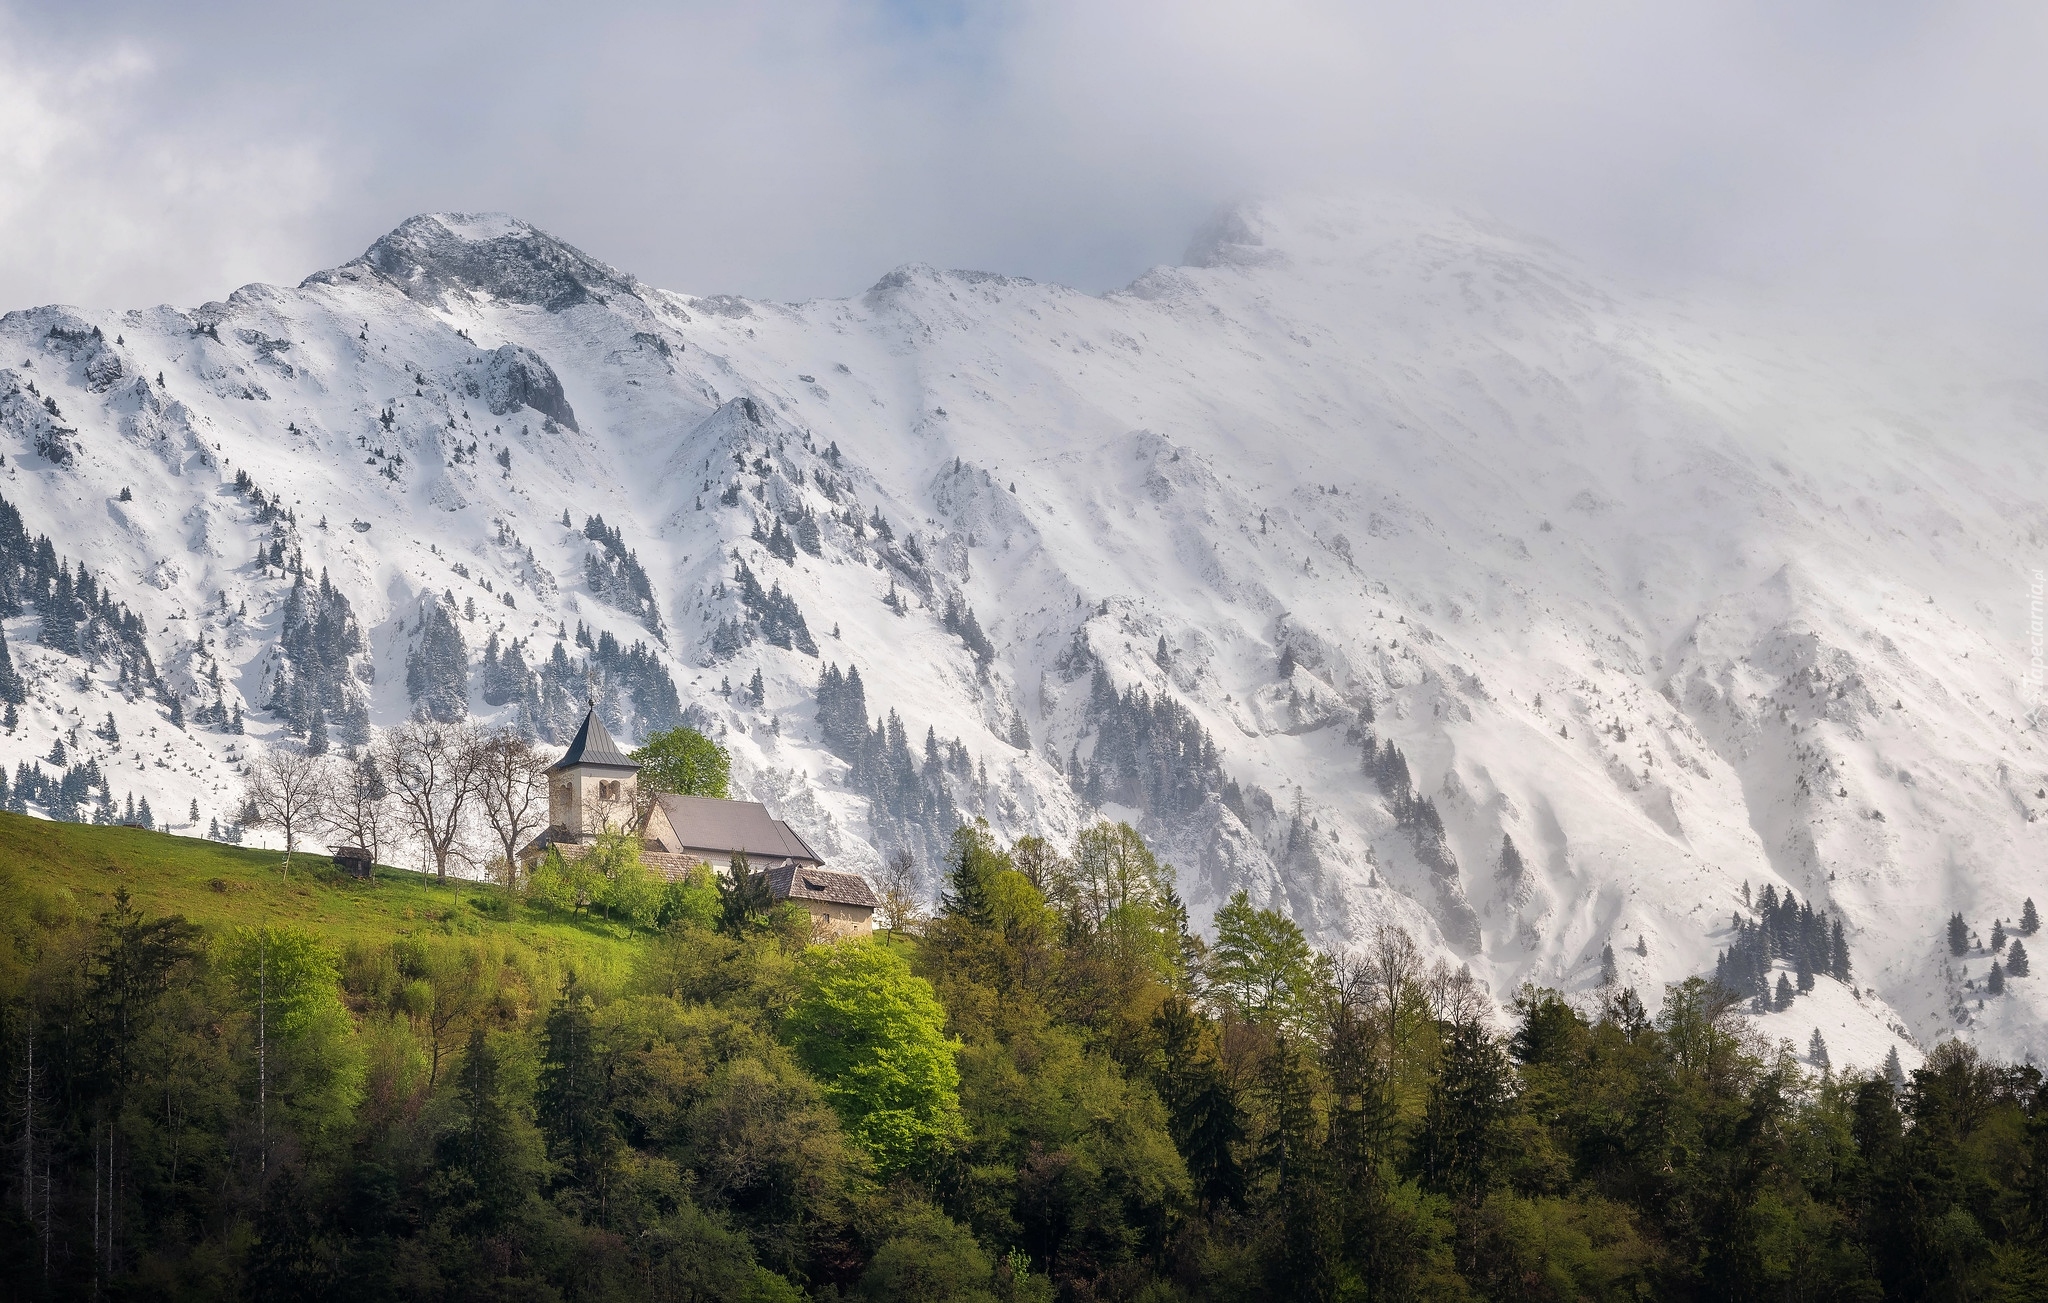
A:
(519, 377)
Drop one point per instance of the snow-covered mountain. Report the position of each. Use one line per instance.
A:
(1370, 537)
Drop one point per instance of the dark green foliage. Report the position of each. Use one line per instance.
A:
(1150, 752)
(910, 804)
(960, 622)
(771, 615)
(1958, 935)
(2030, 921)
(1784, 930)
(573, 1115)
(744, 899)
(2016, 963)
(80, 616)
(12, 690)
(1050, 1092)
(318, 641)
(1464, 1129)
(437, 669)
(617, 578)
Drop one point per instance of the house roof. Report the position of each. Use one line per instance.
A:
(706, 823)
(593, 746)
(794, 882)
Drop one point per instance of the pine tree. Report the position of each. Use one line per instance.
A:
(1817, 1051)
(2030, 922)
(2016, 963)
(478, 1151)
(1894, 1073)
(437, 671)
(757, 691)
(316, 734)
(213, 829)
(1610, 971)
(193, 817)
(572, 1112)
(12, 720)
(1838, 955)
(1995, 983)
(143, 816)
(12, 690)
(1783, 997)
(1958, 935)
(1997, 935)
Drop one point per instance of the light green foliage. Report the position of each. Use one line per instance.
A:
(929, 1259)
(745, 1118)
(1115, 889)
(691, 900)
(684, 762)
(608, 877)
(289, 992)
(1264, 968)
(872, 1031)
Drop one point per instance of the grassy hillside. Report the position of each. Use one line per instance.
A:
(223, 886)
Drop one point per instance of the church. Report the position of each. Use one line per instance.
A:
(595, 787)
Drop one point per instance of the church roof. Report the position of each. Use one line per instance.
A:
(706, 824)
(593, 746)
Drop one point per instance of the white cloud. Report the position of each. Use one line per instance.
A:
(106, 199)
(804, 148)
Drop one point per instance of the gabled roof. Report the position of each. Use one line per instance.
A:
(794, 882)
(708, 824)
(593, 746)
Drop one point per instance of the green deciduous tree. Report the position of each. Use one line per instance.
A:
(684, 762)
(872, 1031)
(1264, 968)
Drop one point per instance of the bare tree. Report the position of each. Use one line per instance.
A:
(359, 803)
(512, 793)
(433, 771)
(902, 902)
(287, 790)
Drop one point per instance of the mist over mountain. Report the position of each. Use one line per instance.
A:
(1377, 561)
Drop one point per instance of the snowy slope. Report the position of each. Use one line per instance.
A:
(1674, 597)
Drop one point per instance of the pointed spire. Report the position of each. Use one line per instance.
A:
(593, 746)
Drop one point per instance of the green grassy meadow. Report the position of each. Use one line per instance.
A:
(78, 867)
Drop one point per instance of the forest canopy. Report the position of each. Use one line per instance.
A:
(1050, 1089)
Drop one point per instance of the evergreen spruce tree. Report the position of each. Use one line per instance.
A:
(193, 817)
(2030, 922)
(1783, 997)
(437, 671)
(316, 734)
(1995, 983)
(213, 829)
(573, 1113)
(1817, 1051)
(1997, 935)
(1894, 1073)
(2016, 963)
(1610, 971)
(12, 690)
(477, 1152)
(11, 720)
(143, 816)
(1958, 935)
(1838, 954)
(757, 692)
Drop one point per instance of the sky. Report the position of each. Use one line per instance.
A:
(1869, 152)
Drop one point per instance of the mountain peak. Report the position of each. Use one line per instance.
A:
(437, 255)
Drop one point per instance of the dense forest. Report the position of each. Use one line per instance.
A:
(1047, 1089)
